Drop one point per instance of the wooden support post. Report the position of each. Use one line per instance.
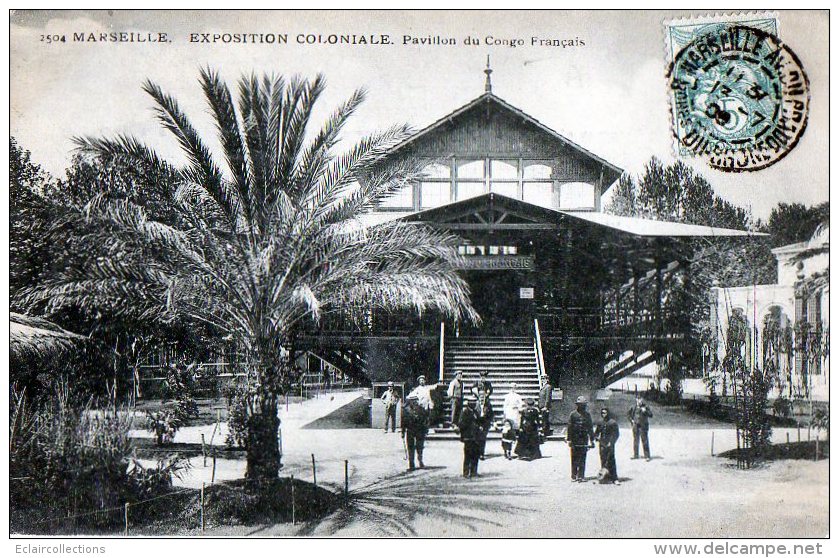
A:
(292, 500)
(816, 458)
(347, 479)
(712, 443)
(787, 438)
(203, 449)
(126, 519)
(213, 478)
(314, 472)
(798, 425)
(202, 507)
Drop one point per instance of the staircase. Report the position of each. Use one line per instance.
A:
(627, 364)
(507, 359)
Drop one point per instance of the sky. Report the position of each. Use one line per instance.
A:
(605, 89)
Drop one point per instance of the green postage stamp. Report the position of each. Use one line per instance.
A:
(739, 96)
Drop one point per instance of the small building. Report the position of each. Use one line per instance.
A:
(788, 324)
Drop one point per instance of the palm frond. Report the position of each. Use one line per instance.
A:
(203, 170)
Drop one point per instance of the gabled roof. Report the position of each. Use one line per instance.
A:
(492, 98)
(635, 226)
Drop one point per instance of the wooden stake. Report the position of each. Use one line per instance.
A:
(292, 500)
(203, 449)
(817, 448)
(213, 478)
(202, 506)
(798, 425)
(347, 478)
(314, 472)
(787, 438)
(126, 519)
(712, 443)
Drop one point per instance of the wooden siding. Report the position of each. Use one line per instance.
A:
(487, 131)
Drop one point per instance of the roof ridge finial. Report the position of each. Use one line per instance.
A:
(488, 72)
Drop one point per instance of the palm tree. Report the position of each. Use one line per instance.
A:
(263, 242)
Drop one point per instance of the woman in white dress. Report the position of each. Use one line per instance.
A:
(513, 404)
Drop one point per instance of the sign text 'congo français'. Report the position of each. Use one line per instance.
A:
(497, 262)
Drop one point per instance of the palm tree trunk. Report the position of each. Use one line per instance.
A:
(263, 453)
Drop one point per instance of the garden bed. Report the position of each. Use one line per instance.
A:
(776, 452)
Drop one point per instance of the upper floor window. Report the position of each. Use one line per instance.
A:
(456, 179)
(576, 195)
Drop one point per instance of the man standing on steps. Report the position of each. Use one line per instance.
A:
(391, 400)
(580, 439)
(483, 385)
(545, 398)
(639, 416)
(456, 396)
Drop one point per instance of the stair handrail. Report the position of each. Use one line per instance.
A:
(539, 354)
(442, 348)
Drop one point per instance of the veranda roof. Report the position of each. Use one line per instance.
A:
(36, 337)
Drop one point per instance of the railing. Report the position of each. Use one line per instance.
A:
(539, 354)
(377, 323)
(442, 349)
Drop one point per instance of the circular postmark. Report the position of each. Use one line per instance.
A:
(740, 98)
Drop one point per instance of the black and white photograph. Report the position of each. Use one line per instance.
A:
(419, 274)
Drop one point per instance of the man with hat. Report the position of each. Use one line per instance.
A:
(483, 385)
(545, 398)
(414, 430)
(580, 439)
(639, 417)
(423, 393)
(469, 427)
(391, 401)
(455, 394)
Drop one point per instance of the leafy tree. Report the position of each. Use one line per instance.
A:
(677, 193)
(794, 222)
(262, 242)
(29, 247)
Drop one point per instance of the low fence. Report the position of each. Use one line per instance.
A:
(186, 510)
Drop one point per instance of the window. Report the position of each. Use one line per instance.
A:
(504, 177)
(466, 190)
(435, 194)
(403, 199)
(537, 170)
(509, 189)
(538, 193)
(576, 195)
(456, 179)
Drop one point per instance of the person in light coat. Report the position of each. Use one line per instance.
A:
(513, 404)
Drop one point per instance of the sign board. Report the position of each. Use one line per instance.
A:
(526, 292)
(497, 262)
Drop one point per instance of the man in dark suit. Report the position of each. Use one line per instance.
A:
(580, 439)
(483, 385)
(469, 428)
(545, 397)
(639, 416)
(607, 433)
(414, 429)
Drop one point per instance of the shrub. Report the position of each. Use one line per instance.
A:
(782, 407)
(237, 417)
(72, 461)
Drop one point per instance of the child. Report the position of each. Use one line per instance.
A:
(508, 437)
